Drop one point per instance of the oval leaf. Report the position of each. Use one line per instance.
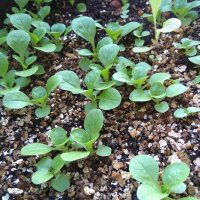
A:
(61, 182)
(103, 150)
(74, 155)
(41, 176)
(175, 90)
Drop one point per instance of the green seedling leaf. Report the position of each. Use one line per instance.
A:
(44, 11)
(155, 6)
(6, 91)
(175, 90)
(44, 163)
(157, 90)
(92, 78)
(103, 42)
(159, 77)
(180, 113)
(149, 192)
(41, 24)
(57, 164)
(47, 48)
(3, 65)
(84, 64)
(141, 49)
(22, 81)
(58, 136)
(35, 149)
(103, 86)
(109, 99)
(74, 155)
(38, 93)
(139, 95)
(52, 83)
(85, 52)
(70, 81)
(57, 30)
(162, 107)
(21, 21)
(94, 121)
(144, 169)
(107, 54)
(122, 77)
(61, 182)
(30, 60)
(81, 7)
(18, 40)
(16, 100)
(195, 60)
(85, 27)
(193, 110)
(175, 174)
(170, 25)
(28, 72)
(178, 189)
(103, 150)
(41, 176)
(129, 27)
(43, 111)
(21, 3)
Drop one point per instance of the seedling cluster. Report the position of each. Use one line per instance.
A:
(105, 71)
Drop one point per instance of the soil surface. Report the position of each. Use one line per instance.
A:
(129, 130)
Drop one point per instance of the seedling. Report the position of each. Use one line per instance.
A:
(100, 93)
(170, 25)
(81, 7)
(125, 10)
(40, 95)
(188, 45)
(145, 169)
(69, 147)
(185, 112)
(154, 89)
(42, 13)
(183, 10)
(21, 6)
(39, 3)
(7, 78)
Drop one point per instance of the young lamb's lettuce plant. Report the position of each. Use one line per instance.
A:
(183, 10)
(116, 31)
(99, 93)
(188, 45)
(40, 95)
(154, 89)
(185, 112)
(170, 25)
(69, 150)
(125, 10)
(145, 169)
(7, 78)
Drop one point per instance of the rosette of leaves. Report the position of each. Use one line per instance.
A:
(40, 95)
(101, 94)
(7, 78)
(188, 46)
(148, 89)
(69, 151)
(183, 10)
(145, 169)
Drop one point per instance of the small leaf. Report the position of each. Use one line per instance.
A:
(47, 48)
(16, 100)
(92, 78)
(103, 150)
(35, 149)
(58, 136)
(85, 52)
(81, 7)
(28, 72)
(170, 25)
(94, 121)
(195, 60)
(61, 182)
(44, 163)
(103, 42)
(139, 95)
(41, 24)
(74, 155)
(57, 164)
(162, 107)
(109, 99)
(157, 90)
(84, 64)
(108, 53)
(155, 6)
(3, 65)
(178, 189)
(141, 49)
(193, 109)
(129, 27)
(175, 174)
(175, 90)
(52, 83)
(144, 169)
(180, 113)
(43, 111)
(44, 11)
(41, 176)
(159, 77)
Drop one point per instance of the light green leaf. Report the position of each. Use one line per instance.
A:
(107, 54)
(170, 25)
(144, 169)
(18, 40)
(85, 52)
(109, 99)
(129, 27)
(47, 48)
(122, 77)
(103, 42)
(35, 149)
(195, 60)
(141, 49)
(159, 77)
(180, 113)
(175, 90)
(74, 155)
(16, 100)
(43, 111)
(162, 107)
(175, 174)
(41, 176)
(58, 136)
(157, 90)
(21, 21)
(94, 121)
(92, 78)
(139, 95)
(3, 65)
(21, 3)
(28, 72)
(41, 24)
(84, 64)
(81, 7)
(44, 11)
(52, 83)
(178, 189)
(61, 182)
(103, 150)
(58, 28)
(193, 109)
(155, 6)
(57, 164)
(150, 192)
(44, 163)
(85, 27)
